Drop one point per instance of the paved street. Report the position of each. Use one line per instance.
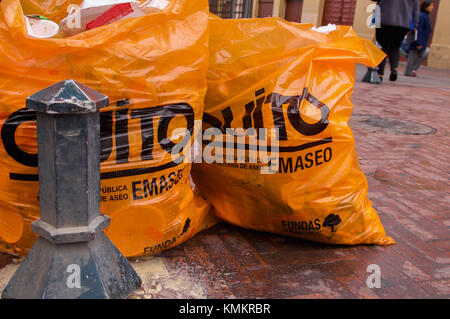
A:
(401, 132)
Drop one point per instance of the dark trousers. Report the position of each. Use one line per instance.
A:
(390, 38)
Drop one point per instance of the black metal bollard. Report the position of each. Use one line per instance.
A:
(372, 76)
(72, 258)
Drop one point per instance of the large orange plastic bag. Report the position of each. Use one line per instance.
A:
(268, 73)
(153, 69)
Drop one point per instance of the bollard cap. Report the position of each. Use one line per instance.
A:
(67, 97)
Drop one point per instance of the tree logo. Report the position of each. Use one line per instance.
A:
(331, 221)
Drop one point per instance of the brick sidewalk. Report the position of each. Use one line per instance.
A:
(408, 179)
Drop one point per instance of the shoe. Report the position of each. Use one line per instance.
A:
(393, 76)
(413, 74)
(381, 77)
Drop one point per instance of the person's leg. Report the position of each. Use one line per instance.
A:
(396, 37)
(382, 38)
(412, 62)
(381, 67)
(421, 57)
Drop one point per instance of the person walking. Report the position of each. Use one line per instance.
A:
(396, 16)
(418, 50)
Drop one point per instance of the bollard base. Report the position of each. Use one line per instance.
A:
(70, 259)
(87, 270)
(372, 76)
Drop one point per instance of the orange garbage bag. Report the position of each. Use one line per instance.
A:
(272, 74)
(153, 68)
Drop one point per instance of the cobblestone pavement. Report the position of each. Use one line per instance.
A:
(401, 133)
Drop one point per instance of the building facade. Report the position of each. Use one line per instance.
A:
(345, 12)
